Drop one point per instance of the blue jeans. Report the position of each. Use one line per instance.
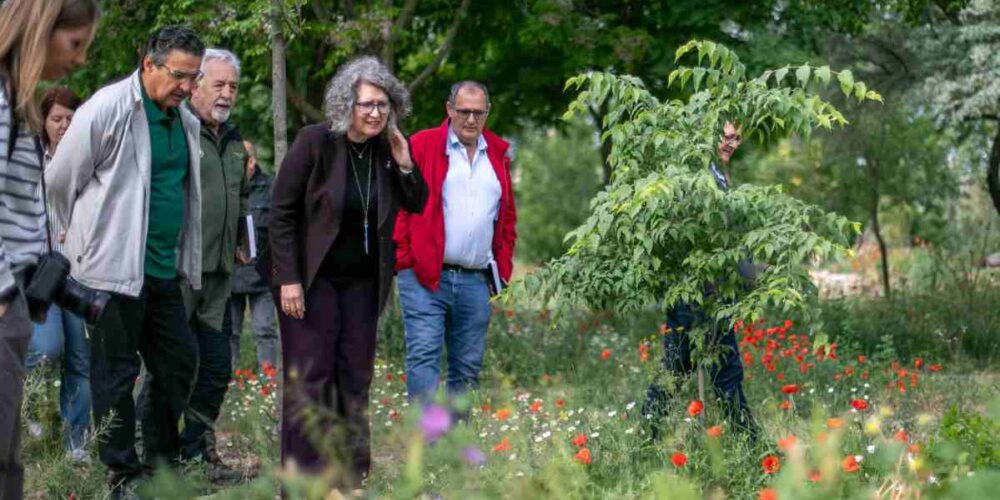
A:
(62, 337)
(726, 375)
(456, 316)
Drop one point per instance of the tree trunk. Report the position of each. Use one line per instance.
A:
(873, 170)
(598, 116)
(993, 171)
(278, 83)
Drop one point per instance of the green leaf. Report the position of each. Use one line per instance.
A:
(860, 89)
(823, 74)
(873, 96)
(846, 79)
(779, 75)
(802, 74)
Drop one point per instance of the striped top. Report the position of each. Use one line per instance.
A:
(55, 228)
(22, 214)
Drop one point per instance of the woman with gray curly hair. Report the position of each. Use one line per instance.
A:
(332, 263)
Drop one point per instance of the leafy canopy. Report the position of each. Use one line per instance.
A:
(662, 232)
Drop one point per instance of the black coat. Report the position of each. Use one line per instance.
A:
(307, 202)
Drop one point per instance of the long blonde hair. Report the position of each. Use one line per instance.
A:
(26, 27)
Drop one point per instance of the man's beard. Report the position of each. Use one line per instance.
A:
(221, 115)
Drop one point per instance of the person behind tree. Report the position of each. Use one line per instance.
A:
(727, 374)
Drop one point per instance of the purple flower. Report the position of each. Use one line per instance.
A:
(473, 455)
(435, 422)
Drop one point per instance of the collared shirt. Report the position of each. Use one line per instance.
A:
(169, 153)
(471, 198)
(720, 178)
(55, 228)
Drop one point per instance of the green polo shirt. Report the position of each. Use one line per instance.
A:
(169, 153)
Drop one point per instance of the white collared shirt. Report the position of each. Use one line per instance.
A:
(471, 198)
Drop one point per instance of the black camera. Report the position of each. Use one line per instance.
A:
(51, 283)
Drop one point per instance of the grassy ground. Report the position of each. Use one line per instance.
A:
(545, 386)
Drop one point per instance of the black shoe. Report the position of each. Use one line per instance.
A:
(220, 473)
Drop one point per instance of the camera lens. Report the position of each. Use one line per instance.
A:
(83, 301)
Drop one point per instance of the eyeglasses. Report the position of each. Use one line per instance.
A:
(369, 106)
(179, 75)
(476, 114)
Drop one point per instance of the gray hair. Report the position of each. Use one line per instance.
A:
(458, 86)
(221, 55)
(342, 92)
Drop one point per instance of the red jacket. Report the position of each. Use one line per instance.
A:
(419, 237)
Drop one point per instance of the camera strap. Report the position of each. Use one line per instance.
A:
(45, 201)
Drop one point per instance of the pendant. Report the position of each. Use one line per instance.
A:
(366, 236)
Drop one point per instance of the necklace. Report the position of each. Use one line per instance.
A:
(365, 198)
(363, 149)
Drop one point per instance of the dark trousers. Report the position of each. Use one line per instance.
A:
(155, 326)
(214, 368)
(726, 374)
(15, 332)
(328, 358)
(208, 312)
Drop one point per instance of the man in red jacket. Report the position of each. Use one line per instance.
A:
(444, 254)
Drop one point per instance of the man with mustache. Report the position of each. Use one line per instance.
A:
(446, 255)
(224, 192)
(126, 184)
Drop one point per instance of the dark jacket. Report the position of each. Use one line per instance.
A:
(224, 193)
(307, 201)
(246, 279)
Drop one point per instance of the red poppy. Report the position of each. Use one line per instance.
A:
(770, 464)
(265, 390)
(814, 476)
(859, 404)
(780, 377)
(560, 403)
(402, 376)
(918, 363)
(503, 445)
(785, 405)
(767, 494)
(606, 354)
(580, 440)
(679, 459)
(790, 389)
(788, 442)
(861, 359)
(695, 408)
(849, 464)
(935, 368)
(502, 414)
(902, 436)
(714, 431)
(582, 456)
(788, 324)
(388, 377)
(535, 407)
(664, 329)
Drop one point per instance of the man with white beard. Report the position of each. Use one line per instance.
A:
(224, 193)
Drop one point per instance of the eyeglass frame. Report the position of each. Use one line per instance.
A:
(179, 76)
(373, 106)
(463, 114)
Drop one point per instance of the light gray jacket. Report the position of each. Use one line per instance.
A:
(98, 186)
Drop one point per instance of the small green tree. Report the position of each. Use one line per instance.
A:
(662, 231)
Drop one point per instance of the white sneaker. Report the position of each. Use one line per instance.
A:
(79, 456)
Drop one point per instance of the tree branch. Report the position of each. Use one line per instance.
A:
(311, 112)
(445, 48)
(405, 16)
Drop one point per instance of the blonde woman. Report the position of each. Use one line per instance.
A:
(38, 41)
